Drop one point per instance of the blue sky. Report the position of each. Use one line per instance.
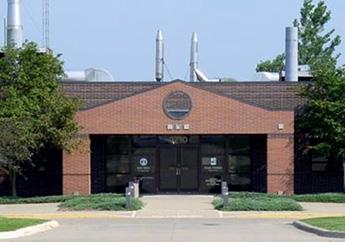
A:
(119, 35)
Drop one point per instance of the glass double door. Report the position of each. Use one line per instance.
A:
(178, 168)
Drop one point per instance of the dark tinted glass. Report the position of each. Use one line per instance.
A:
(118, 145)
(212, 164)
(240, 182)
(319, 163)
(212, 144)
(116, 183)
(117, 164)
(239, 144)
(239, 164)
(174, 139)
(144, 141)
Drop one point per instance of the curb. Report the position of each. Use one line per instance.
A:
(315, 230)
(31, 230)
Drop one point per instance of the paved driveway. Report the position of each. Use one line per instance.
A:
(173, 219)
(175, 230)
(177, 207)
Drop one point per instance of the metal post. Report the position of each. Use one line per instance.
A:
(134, 186)
(131, 188)
(225, 193)
(128, 198)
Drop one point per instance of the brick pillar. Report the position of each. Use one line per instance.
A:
(280, 163)
(77, 169)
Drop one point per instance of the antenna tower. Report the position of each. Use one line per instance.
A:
(45, 21)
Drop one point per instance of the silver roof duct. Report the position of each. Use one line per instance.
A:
(291, 52)
(201, 76)
(194, 58)
(159, 56)
(89, 75)
(14, 24)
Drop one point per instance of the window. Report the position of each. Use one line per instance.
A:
(213, 145)
(144, 145)
(117, 163)
(319, 163)
(239, 163)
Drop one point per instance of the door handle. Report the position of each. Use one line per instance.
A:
(178, 171)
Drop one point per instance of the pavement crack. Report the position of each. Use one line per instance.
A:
(173, 232)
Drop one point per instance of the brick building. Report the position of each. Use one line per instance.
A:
(184, 137)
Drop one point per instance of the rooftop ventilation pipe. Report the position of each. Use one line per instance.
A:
(291, 52)
(201, 76)
(194, 58)
(159, 57)
(14, 24)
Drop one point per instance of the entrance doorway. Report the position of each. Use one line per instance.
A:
(178, 168)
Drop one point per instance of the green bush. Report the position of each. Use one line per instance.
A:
(47, 199)
(321, 198)
(248, 201)
(252, 195)
(104, 202)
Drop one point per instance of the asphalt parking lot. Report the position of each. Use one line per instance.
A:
(175, 230)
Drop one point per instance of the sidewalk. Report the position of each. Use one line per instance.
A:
(176, 206)
(51, 211)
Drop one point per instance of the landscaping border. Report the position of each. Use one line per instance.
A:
(31, 230)
(319, 231)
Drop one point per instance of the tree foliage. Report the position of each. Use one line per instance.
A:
(314, 43)
(275, 65)
(323, 117)
(33, 110)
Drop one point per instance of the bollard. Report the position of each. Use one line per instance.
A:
(131, 188)
(134, 186)
(128, 198)
(225, 193)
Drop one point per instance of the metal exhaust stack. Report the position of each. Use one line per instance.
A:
(14, 24)
(194, 58)
(291, 52)
(159, 57)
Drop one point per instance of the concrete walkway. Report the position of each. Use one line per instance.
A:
(177, 207)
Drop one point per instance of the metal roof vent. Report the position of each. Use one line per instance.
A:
(14, 24)
(89, 75)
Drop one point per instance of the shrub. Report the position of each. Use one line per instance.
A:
(104, 202)
(321, 198)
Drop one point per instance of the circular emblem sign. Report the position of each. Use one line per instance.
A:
(177, 105)
(143, 162)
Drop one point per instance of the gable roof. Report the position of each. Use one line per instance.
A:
(267, 95)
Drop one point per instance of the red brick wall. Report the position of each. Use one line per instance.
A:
(77, 170)
(280, 164)
(211, 114)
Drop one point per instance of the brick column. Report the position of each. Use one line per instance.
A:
(280, 163)
(77, 169)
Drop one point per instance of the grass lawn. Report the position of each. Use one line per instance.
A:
(11, 224)
(248, 201)
(104, 202)
(321, 198)
(331, 223)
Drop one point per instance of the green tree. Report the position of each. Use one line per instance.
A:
(314, 43)
(33, 110)
(275, 65)
(323, 117)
